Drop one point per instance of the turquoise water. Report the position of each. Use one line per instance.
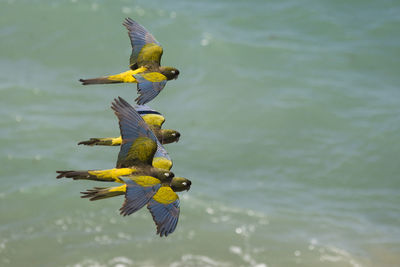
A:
(290, 120)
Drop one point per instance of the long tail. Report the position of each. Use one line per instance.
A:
(76, 175)
(123, 77)
(100, 80)
(103, 192)
(109, 141)
(110, 175)
(103, 176)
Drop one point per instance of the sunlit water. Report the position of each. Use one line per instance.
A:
(290, 120)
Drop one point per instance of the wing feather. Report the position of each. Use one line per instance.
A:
(139, 143)
(145, 48)
(148, 88)
(139, 191)
(164, 207)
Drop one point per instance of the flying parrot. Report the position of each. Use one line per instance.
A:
(153, 118)
(144, 63)
(145, 184)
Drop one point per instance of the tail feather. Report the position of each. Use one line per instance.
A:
(90, 142)
(101, 142)
(110, 175)
(100, 80)
(96, 142)
(101, 193)
(76, 175)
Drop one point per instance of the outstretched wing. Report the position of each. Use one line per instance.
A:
(138, 142)
(164, 207)
(139, 191)
(149, 86)
(146, 51)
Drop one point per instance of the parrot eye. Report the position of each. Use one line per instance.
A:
(173, 134)
(166, 174)
(184, 183)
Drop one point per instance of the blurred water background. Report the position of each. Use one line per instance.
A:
(290, 120)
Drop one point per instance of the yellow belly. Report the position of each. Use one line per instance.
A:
(113, 173)
(162, 163)
(127, 76)
(165, 195)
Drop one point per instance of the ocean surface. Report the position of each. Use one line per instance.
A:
(290, 119)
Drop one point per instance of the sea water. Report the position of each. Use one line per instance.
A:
(290, 119)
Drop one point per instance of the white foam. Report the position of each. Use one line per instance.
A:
(189, 260)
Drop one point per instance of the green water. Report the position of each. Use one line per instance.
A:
(290, 120)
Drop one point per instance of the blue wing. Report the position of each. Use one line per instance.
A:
(140, 37)
(164, 215)
(134, 132)
(137, 196)
(145, 109)
(147, 90)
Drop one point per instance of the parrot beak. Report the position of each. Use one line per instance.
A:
(190, 183)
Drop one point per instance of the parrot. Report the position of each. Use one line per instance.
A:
(142, 183)
(153, 118)
(144, 64)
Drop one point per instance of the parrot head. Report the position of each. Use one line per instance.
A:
(163, 175)
(170, 136)
(179, 184)
(170, 72)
